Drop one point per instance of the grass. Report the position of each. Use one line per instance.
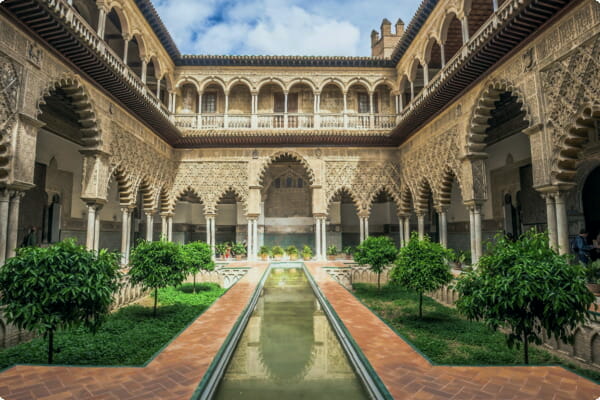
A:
(446, 337)
(130, 336)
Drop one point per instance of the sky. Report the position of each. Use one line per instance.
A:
(279, 27)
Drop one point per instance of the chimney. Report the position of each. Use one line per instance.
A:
(374, 37)
(386, 28)
(399, 27)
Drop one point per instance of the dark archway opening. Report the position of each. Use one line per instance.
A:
(590, 199)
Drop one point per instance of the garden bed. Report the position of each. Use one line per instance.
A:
(129, 337)
(445, 337)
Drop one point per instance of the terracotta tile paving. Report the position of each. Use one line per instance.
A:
(408, 375)
(173, 374)
(176, 372)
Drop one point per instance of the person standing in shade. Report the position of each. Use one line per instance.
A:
(30, 238)
(582, 248)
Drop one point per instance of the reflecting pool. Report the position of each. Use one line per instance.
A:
(288, 349)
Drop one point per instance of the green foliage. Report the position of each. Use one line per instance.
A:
(221, 249)
(277, 251)
(376, 252)
(307, 251)
(349, 250)
(291, 250)
(592, 272)
(445, 336)
(129, 336)
(156, 265)
(525, 287)
(198, 256)
(422, 266)
(58, 287)
(332, 250)
(264, 251)
(238, 249)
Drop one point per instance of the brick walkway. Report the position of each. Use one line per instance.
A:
(408, 375)
(177, 371)
(174, 374)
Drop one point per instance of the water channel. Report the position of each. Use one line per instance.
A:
(288, 349)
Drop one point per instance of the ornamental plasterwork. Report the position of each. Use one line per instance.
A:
(10, 84)
(428, 159)
(569, 85)
(210, 181)
(363, 179)
(140, 162)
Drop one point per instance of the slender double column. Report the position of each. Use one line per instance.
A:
(10, 203)
(475, 231)
(252, 241)
(443, 223)
(364, 227)
(321, 237)
(92, 238)
(562, 225)
(211, 231)
(551, 219)
(149, 226)
(125, 234)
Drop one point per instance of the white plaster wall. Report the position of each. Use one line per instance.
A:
(189, 213)
(68, 159)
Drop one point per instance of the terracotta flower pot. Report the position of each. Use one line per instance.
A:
(331, 258)
(264, 257)
(239, 257)
(293, 257)
(307, 258)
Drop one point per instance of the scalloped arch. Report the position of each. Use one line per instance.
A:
(82, 105)
(385, 189)
(349, 192)
(482, 111)
(297, 156)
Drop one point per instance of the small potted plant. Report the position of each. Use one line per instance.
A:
(264, 253)
(307, 253)
(348, 251)
(331, 252)
(221, 250)
(277, 252)
(463, 259)
(292, 252)
(239, 250)
(592, 272)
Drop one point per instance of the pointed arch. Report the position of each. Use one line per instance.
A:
(240, 196)
(406, 200)
(144, 189)
(389, 191)
(350, 193)
(162, 200)
(566, 157)
(286, 153)
(483, 108)
(445, 188)
(81, 103)
(124, 186)
(424, 193)
(187, 191)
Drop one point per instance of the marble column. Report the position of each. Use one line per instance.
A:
(124, 234)
(4, 206)
(249, 240)
(255, 237)
(13, 223)
(406, 230)
(318, 238)
(472, 232)
(97, 229)
(551, 218)
(101, 22)
(442, 215)
(149, 226)
(401, 230)
(144, 70)
(478, 234)
(170, 228)
(562, 225)
(366, 222)
(164, 229)
(421, 224)
(362, 229)
(128, 233)
(91, 227)
(125, 50)
(465, 29)
(323, 237)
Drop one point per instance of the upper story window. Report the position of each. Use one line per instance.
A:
(363, 103)
(209, 103)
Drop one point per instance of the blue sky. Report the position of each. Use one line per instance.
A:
(279, 27)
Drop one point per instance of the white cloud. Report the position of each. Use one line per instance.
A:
(275, 27)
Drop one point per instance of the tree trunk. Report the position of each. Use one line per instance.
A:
(420, 304)
(155, 300)
(378, 281)
(50, 345)
(526, 347)
(194, 283)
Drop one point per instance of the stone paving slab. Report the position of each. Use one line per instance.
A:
(173, 374)
(408, 375)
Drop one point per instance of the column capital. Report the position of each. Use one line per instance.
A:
(252, 216)
(442, 208)
(167, 215)
(474, 204)
(210, 215)
(149, 213)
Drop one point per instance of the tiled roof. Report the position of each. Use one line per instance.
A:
(147, 8)
(413, 29)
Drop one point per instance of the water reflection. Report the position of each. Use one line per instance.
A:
(288, 349)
